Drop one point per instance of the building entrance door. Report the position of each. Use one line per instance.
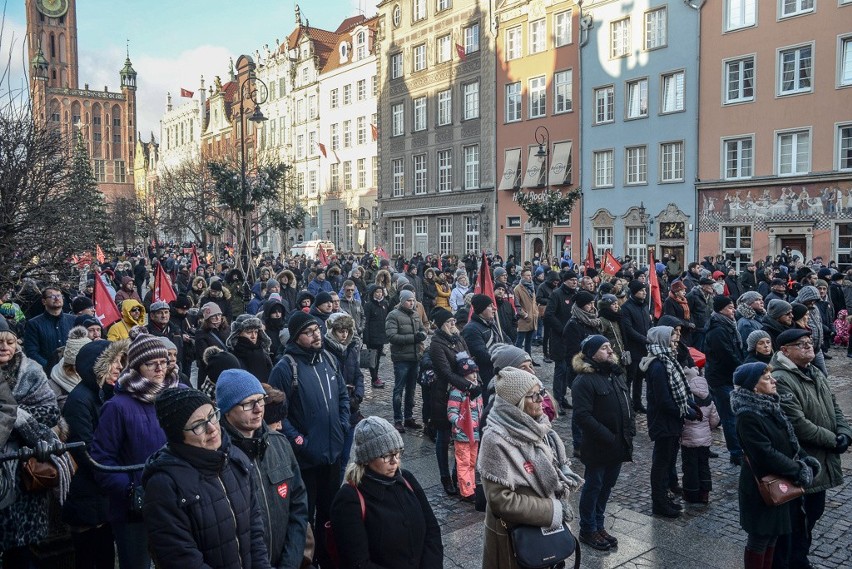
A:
(797, 246)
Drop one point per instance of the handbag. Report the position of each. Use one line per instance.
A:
(776, 490)
(542, 548)
(39, 476)
(368, 358)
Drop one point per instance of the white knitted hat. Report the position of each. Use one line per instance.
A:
(513, 384)
(77, 338)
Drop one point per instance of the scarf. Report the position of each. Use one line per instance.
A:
(63, 380)
(732, 324)
(684, 304)
(589, 319)
(674, 373)
(529, 287)
(746, 311)
(765, 405)
(134, 384)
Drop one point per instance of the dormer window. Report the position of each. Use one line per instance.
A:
(344, 52)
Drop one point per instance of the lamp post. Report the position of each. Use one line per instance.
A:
(542, 137)
(250, 91)
(362, 223)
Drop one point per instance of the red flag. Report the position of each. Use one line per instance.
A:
(321, 148)
(465, 422)
(193, 263)
(610, 265)
(440, 268)
(484, 284)
(656, 301)
(163, 286)
(375, 131)
(590, 256)
(186, 93)
(105, 310)
(380, 251)
(100, 254)
(460, 51)
(322, 255)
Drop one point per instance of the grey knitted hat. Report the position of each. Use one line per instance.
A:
(405, 295)
(748, 297)
(507, 355)
(778, 308)
(808, 293)
(373, 438)
(755, 337)
(512, 384)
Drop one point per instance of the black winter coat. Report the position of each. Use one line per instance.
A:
(375, 314)
(723, 353)
(201, 509)
(443, 350)
(556, 316)
(253, 357)
(508, 319)
(204, 338)
(604, 412)
(774, 329)
(572, 336)
(480, 336)
(664, 417)
(635, 323)
(699, 312)
(398, 530)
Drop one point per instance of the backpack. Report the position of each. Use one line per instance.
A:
(426, 375)
(294, 384)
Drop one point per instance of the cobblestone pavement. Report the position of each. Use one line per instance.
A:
(705, 536)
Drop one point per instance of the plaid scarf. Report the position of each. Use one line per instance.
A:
(676, 376)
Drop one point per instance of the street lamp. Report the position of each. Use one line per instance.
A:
(250, 91)
(542, 137)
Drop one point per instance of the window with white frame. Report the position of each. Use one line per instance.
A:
(120, 171)
(636, 158)
(740, 14)
(300, 111)
(312, 107)
(619, 38)
(421, 229)
(795, 69)
(445, 235)
(362, 130)
(419, 110)
(673, 92)
(470, 92)
(419, 166)
(844, 147)
(398, 237)
(445, 170)
(300, 146)
(671, 162)
(471, 233)
(656, 28)
(471, 167)
(347, 224)
(335, 136)
(796, 7)
(300, 184)
(362, 172)
(603, 240)
(604, 105)
(445, 48)
(332, 98)
(738, 158)
(845, 61)
(471, 38)
(374, 85)
(313, 182)
(737, 245)
(314, 213)
(843, 240)
(538, 97)
(538, 34)
(636, 245)
(443, 5)
(513, 102)
(562, 87)
(361, 46)
(398, 119)
(396, 65)
(562, 28)
(347, 175)
(347, 134)
(637, 99)
(602, 165)
(419, 10)
(335, 225)
(420, 57)
(347, 94)
(513, 43)
(739, 80)
(398, 168)
(794, 152)
(445, 107)
(375, 171)
(334, 178)
(362, 89)
(313, 148)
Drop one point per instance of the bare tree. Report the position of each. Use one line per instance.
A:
(187, 202)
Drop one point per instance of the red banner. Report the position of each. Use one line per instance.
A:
(610, 265)
(322, 256)
(460, 51)
(465, 422)
(186, 93)
(163, 286)
(100, 254)
(193, 264)
(590, 255)
(105, 310)
(656, 300)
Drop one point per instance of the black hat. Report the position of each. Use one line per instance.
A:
(566, 275)
(583, 298)
(322, 298)
(4, 327)
(298, 322)
(746, 376)
(175, 406)
(217, 361)
(706, 281)
(86, 320)
(182, 301)
(635, 286)
(216, 285)
(791, 336)
(799, 310)
(837, 277)
(591, 344)
(480, 302)
(81, 303)
(440, 316)
(779, 282)
(720, 301)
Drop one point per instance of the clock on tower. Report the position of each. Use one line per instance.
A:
(52, 8)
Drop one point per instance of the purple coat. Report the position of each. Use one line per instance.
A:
(128, 433)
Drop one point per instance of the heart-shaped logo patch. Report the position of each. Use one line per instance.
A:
(783, 487)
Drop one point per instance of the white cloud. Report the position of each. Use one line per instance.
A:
(13, 57)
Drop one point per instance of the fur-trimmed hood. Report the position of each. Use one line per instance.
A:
(291, 277)
(104, 362)
(248, 322)
(581, 364)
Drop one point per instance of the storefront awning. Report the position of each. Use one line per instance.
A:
(511, 170)
(532, 177)
(560, 165)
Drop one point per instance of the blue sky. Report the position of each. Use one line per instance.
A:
(172, 42)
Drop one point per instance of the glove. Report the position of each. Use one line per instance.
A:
(842, 444)
(420, 337)
(691, 415)
(806, 475)
(813, 464)
(474, 391)
(574, 480)
(567, 511)
(698, 411)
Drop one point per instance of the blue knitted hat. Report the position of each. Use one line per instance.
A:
(233, 386)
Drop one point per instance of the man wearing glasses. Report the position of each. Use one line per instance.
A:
(318, 416)
(822, 430)
(242, 402)
(49, 330)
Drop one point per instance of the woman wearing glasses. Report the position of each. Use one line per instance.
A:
(127, 434)
(200, 497)
(380, 516)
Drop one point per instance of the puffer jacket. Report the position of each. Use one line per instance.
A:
(457, 296)
(480, 336)
(698, 433)
(318, 404)
(401, 326)
(442, 295)
(201, 509)
(811, 407)
(121, 330)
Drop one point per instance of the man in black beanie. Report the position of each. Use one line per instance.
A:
(481, 333)
(635, 323)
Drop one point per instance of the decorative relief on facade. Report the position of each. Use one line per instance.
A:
(602, 218)
(445, 135)
(470, 128)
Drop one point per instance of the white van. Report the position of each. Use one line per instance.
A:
(310, 249)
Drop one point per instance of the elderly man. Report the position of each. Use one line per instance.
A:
(822, 430)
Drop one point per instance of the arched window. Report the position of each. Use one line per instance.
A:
(76, 113)
(63, 78)
(62, 55)
(52, 47)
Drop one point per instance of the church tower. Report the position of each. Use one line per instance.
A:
(52, 26)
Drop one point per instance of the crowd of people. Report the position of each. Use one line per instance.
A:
(224, 428)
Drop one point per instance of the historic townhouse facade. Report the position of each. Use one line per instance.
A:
(537, 85)
(181, 127)
(775, 166)
(436, 123)
(639, 82)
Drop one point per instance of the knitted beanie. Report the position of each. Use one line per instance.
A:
(746, 376)
(778, 308)
(144, 348)
(374, 437)
(721, 301)
(405, 295)
(583, 298)
(217, 361)
(175, 406)
(808, 293)
(298, 322)
(467, 366)
(272, 283)
(322, 298)
(635, 286)
(233, 386)
(678, 286)
(755, 337)
(799, 310)
(607, 300)
(591, 344)
(480, 302)
(512, 384)
(440, 316)
(210, 309)
(167, 343)
(77, 338)
(748, 297)
(499, 272)
(507, 355)
(80, 304)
